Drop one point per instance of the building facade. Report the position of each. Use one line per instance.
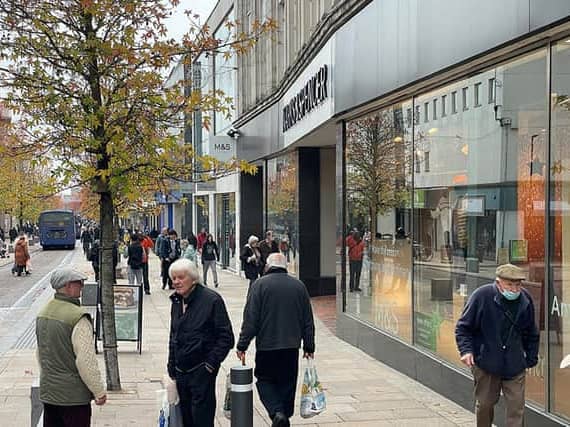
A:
(437, 130)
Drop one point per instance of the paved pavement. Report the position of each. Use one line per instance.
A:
(360, 390)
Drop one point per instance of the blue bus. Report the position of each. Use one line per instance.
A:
(57, 229)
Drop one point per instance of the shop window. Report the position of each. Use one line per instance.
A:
(559, 295)
(377, 241)
(482, 204)
(283, 207)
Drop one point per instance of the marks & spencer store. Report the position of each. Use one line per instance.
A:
(460, 163)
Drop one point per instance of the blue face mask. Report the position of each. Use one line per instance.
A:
(510, 295)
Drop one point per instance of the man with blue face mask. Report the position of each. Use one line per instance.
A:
(498, 339)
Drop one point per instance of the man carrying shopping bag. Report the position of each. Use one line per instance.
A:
(279, 315)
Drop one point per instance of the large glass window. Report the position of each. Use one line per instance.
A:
(226, 228)
(481, 201)
(377, 239)
(225, 77)
(202, 213)
(559, 308)
(283, 207)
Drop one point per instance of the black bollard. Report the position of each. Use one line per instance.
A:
(242, 396)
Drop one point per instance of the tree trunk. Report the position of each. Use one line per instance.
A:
(107, 293)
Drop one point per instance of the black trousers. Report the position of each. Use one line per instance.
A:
(354, 267)
(146, 283)
(276, 372)
(165, 278)
(197, 391)
(67, 416)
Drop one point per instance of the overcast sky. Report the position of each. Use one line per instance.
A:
(177, 24)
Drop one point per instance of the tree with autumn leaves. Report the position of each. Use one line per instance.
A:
(87, 78)
(377, 159)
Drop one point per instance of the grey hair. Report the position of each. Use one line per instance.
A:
(184, 265)
(252, 239)
(276, 260)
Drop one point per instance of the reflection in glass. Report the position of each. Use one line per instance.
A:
(202, 213)
(225, 228)
(480, 202)
(378, 245)
(283, 207)
(559, 314)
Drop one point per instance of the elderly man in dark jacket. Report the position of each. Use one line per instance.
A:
(201, 337)
(498, 339)
(278, 314)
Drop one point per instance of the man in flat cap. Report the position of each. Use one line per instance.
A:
(69, 374)
(497, 338)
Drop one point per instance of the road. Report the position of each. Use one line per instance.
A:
(22, 297)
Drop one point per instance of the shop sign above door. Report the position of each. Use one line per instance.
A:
(313, 93)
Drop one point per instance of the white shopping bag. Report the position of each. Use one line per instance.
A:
(313, 400)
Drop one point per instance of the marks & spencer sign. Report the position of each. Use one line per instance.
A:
(313, 93)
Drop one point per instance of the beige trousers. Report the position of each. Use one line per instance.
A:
(487, 392)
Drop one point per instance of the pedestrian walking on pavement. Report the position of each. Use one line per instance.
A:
(188, 250)
(94, 258)
(135, 254)
(498, 339)
(210, 254)
(251, 259)
(86, 239)
(278, 314)
(21, 256)
(147, 245)
(201, 337)
(267, 247)
(169, 251)
(69, 373)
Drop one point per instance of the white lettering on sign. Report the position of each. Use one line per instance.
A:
(560, 308)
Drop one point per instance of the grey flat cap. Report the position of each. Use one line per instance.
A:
(60, 277)
(510, 272)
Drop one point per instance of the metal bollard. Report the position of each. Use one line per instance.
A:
(242, 396)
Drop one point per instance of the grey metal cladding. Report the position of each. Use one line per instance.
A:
(392, 43)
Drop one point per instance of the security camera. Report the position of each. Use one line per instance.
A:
(233, 133)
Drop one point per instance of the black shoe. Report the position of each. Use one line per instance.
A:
(358, 290)
(163, 286)
(280, 420)
(147, 292)
(215, 285)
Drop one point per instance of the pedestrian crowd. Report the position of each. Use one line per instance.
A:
(277, 314)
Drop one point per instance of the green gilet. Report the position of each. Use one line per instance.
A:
(60, 383)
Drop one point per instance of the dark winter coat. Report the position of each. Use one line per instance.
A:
(251, 269)
(278, 314)
(479, 331)
(135, 255)
(165, 248)
(202, 334)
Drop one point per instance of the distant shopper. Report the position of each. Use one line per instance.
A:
(86, 240)
(498, 339)
(94, 258)
(267, 247)
(135, 254)
(147, 245)
(201, 337)
(201, 238)
(355, 246)
(169, 252)
(251, 259)
(188, 250)
(192, 240)
(210, 254)
(279, 316)
(69, 372)
(21, 256)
